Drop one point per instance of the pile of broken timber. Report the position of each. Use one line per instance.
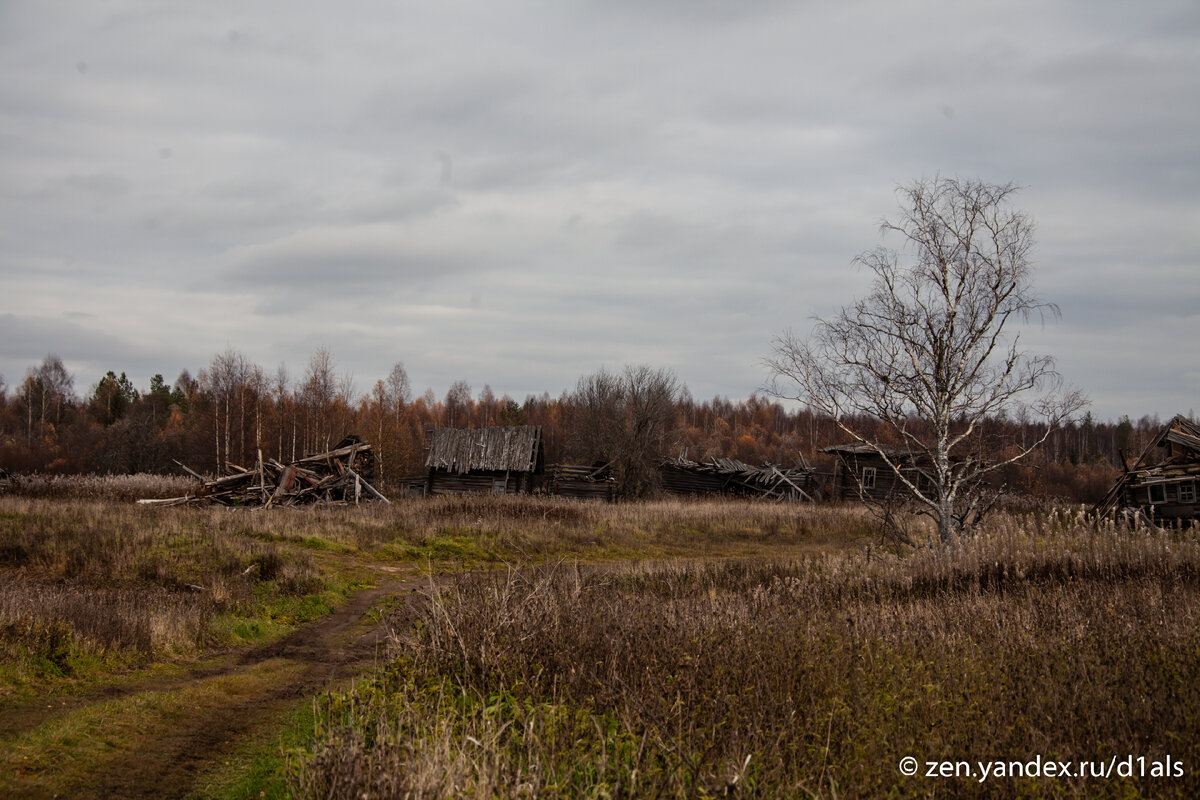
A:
(582, 482)
(336, 477)
(732, 477)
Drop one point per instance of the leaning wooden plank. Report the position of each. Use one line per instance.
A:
(371, 490)
(165, 501)
(341, 452)
(286, 481)
(230, 480)
(784, 478)
(189, 471)
(262, 478)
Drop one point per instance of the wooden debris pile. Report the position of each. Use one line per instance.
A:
(594, 482)
(339, 476)
(732, 477)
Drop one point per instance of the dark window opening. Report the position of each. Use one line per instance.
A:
(868, 478)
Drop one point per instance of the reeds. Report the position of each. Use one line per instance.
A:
(103, 487)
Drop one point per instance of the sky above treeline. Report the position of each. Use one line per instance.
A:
(516, 194)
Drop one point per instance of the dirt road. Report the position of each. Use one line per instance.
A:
(155, 738)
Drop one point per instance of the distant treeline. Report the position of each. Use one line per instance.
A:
(232, 408)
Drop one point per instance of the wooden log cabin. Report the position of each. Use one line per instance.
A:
(1162, 481)
(861, 473)
(500, 460)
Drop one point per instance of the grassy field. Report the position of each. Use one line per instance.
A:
(565, 649)
(91, 582)
(1048, 638)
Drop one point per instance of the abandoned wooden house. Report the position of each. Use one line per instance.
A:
(502, 460)
(1162, 481)
(727, 476)
(862, 473)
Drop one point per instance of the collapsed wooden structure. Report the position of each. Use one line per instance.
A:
(500, 460)
(1161, 483)
(341, 475)
(581, 482)
(728, 476)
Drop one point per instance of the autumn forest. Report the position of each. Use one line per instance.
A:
(232, 407)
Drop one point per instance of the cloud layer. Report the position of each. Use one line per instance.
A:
(519, 193)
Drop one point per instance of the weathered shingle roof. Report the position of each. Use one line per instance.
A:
(862, 448)
(1182, 431)
(514, 449)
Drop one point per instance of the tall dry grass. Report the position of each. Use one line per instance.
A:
(1047, 636)
(478, 530)
(85, 578)
(102, 487)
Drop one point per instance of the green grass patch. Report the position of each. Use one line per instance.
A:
(459, 547)
(229, 629)
(432, 738)
(327, 545)
(259, 766)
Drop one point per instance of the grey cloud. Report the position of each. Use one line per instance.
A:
(341, 263)
(88, 350)
(104, 184)
(611, 181)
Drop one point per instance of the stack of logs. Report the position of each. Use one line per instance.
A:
(339, 476)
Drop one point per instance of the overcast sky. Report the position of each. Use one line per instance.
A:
(518, 193)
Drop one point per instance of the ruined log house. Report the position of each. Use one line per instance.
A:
(503, 460)
(728, 476)
(860, 472)
(1162, 481)
(582, 482)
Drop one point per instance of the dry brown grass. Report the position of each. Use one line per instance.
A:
(85, 571)
(81, 579)
(103, 487)
(1046, 636)
(479, 530)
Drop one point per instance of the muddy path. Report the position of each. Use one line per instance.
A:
(239, 695)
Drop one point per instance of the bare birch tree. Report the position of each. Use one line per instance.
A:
(932, 351)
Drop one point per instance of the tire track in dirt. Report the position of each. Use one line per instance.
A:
(327, 652)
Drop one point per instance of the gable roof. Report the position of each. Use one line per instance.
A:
(511, 449)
